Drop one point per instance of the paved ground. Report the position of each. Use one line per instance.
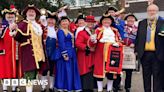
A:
(137, 84)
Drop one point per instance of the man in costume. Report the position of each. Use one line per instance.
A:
(149, 48)
(50, 43)
(30, 36)
(105, 37)
(85, 55)
(81, 24)
(119, 24)
(8, 49)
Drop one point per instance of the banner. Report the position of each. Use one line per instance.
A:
(115, 59)
(129, 59)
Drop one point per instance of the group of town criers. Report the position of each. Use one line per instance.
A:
(79, 54)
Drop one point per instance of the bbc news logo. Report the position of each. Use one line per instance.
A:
(23, 82)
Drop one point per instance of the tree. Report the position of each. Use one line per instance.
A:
(21, 4)
(106, 1)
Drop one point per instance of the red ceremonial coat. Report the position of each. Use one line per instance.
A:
(8, 68)
(100, 52)
(84, 62)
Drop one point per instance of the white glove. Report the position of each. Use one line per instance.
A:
(93, 38)
(132, 45)
(13, 26)
(115, 45)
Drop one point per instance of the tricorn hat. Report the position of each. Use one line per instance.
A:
(81, 16)
(112, 8)
(64, 18)
(131, 15)
(52, 15)
(31, 7)
(106, 16)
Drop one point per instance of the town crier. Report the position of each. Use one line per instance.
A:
(85, 55)
(29, 34)
(8, 49)
(105, 38)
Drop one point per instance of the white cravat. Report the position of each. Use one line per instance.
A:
(51, 32)
(37, 28)
(108, 35)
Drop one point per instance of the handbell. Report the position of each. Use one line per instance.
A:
(43, 11)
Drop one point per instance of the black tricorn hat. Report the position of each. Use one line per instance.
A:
(131, 15)
(81, 16)
(106, 16)
(52, 15)
(112, 8)
(63, 18)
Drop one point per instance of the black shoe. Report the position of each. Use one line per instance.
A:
(43, 90)
(87, 90)
(5, 90)
(16, 90)
(51, 90)
(128, 90)
(115, 90)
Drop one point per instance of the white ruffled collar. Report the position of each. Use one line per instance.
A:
(36, 27)
(78, 30)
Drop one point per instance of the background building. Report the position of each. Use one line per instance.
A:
(138, 7)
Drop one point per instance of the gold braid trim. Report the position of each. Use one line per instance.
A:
(3, 34)
(25, 43)
(24, 34)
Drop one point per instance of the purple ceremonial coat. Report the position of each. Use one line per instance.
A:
(26, 53)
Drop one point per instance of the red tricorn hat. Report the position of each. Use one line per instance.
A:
(31, 7)
(90, 18)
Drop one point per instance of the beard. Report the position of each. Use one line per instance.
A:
(152, 17)
(11, 21)
(31, 18)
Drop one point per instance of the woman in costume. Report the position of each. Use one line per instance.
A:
(67, 73)
(85, 55)
(129, 36)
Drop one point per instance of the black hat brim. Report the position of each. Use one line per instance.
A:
(131, 15)
(80, 17)
(34, 8)
(64, 18)
(52, 17)
(112, 8)
(109, 17)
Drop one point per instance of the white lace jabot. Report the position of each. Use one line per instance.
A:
(108, 35)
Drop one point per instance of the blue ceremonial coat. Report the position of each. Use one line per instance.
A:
(119, 24)
(50, 47)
